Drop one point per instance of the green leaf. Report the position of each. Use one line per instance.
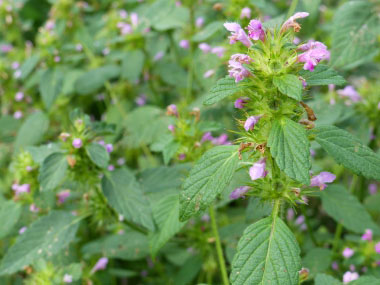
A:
(346, 209)
(322, 75)
(32, 130)
(127, 246)
(317, 260)
(223, 88)
(267, 253)
(94, 79)
(166, 215)
(208, 31)
(132, 65)
(28, 66)
(39, 153)
(324, 279)
(208, 178)
(289, 145)
(176, 17)
(9, 214)
(53, 171)
(169, 151)
(289, 85)
(348, 151)
(125, 195)
(51, 85)
(45, 237)
(98, 154)
(355, 29)
(366, 280)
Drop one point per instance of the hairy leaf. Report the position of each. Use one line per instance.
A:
(346, 209)
(9, 214)
(267, 253)
(322, 75)
(51, 84)
(208, 178)
(348, 150)
(98, 154)
(324, 279)
(289, 85)
(208, 31)
(53, 170)
(45, 237)
(132, 65)
(317, 260)
(289, 146)
(223, 88)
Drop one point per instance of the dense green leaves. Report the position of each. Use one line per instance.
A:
(355, 29)
(45, 237)
(132, 65)
(322, 75)
(28, 66)
(317, 260)
(267, 253)
(348, 150)
(346, 209)
(208, 31)
(166, 216)
(94, 79)
(223, 88)
(289, 85)
(98, 154)
(52, 171)
(210, 175)
(366, 280)
(289, 146)
(324, 279)
(50, 86)
(9, 214)
(32, 130)
(125, 195)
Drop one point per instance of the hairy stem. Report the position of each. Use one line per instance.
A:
(218, 245)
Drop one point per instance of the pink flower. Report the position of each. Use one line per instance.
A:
(348, 252)
(134, 19)
(209, 73)
(22, 230)
(120, 161)
(78, 47)
(236, 68)
(106, 51)
(221, 140)
(350, 92)
(207, 137)
(199, 22)
(258, 170)
(62, 196)
(314, 53)
(67, 278)
(20, 189)
(123, 14)
(15, 65)
(367, 235)
(77, 143)
(255, 30)
(300, 220)
(245, 13)
(111, 167)
(172, 110)
(109, 147)
(377, 247)
(291, 22)
(57, 58)
(100, 265)
(50, 24)
(141, 100)
(296, 40)
(335, 266)
(17, 115)
(17, 74)
(290, 214)
(185, 44)
(171, 128)
(372, 188)
(158, 56)
(5, 48)
(219, 51)
(125, 28)
(239, 103)
(204, 47)
(239, 192)
(237, 34)
(350, 276)
(322, 178)
(181, 156)
(251, 122)
(34, 209)
(19, 96)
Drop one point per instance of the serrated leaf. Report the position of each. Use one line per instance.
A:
(45, 237)
(290, 147)
(127, 246)
(208, 178)
(98, 154)
(267, 253)
(125, 195)
(28, 66)
(348, 151)
(52, 171)
(322, 75)
(9, 214)
(324, 279)
(32, 130)
(366, 280)
(169, 151)
(317, 260)
(208, 31)
(224, 87)
(354, 35)
(289, 85)
(176, 17)
(346, 209)
(51, 84)
(166, 216)
(132, 65)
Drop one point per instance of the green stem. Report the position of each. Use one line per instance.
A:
(114, 98)
(292, 8)
(219, 251)
(276, 208)
(309, 229)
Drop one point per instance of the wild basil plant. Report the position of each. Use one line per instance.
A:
(268, 80)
